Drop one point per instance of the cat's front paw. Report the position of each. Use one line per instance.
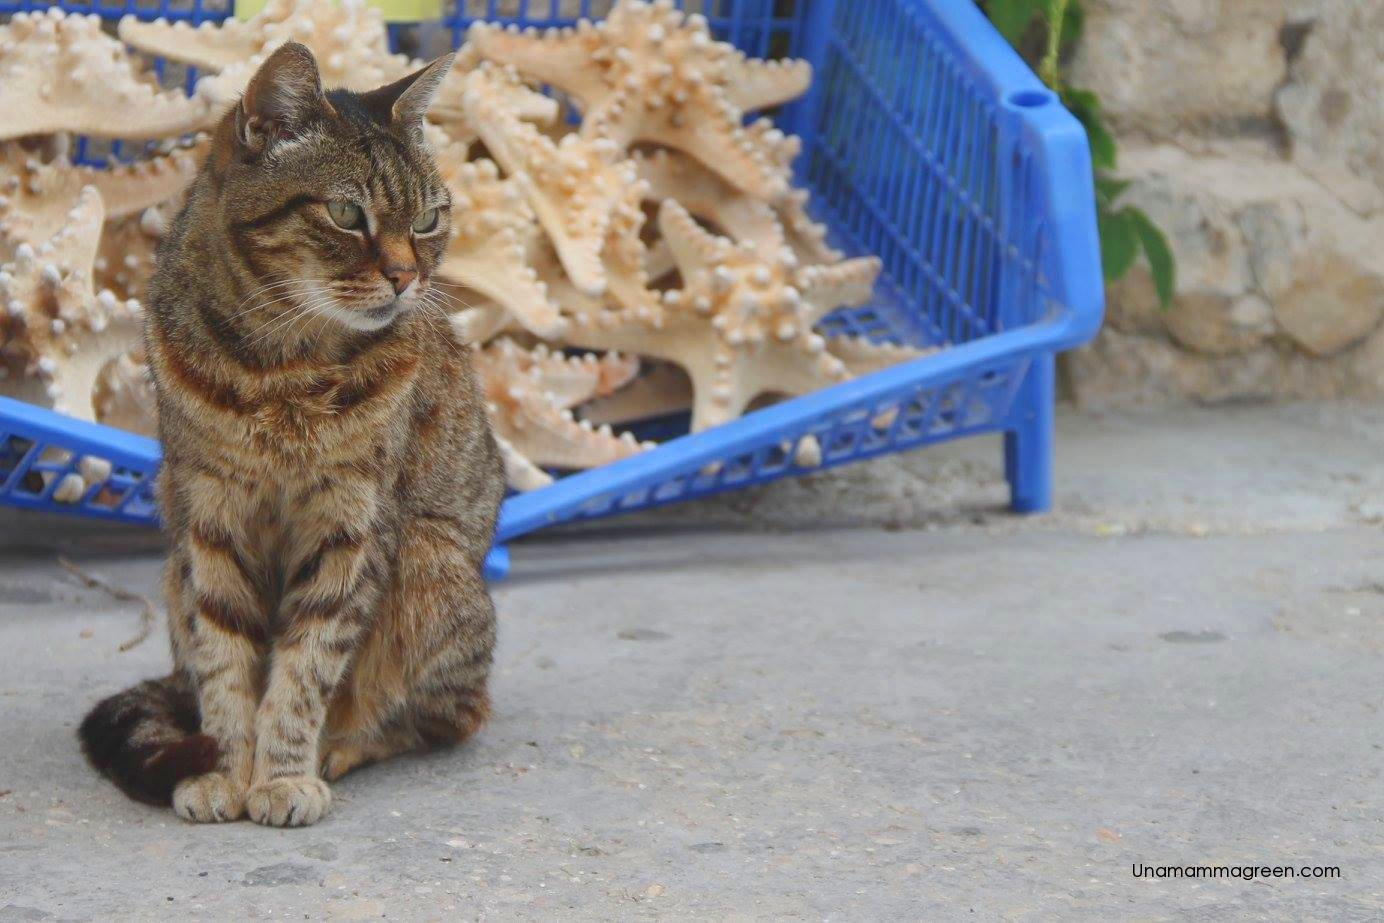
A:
(210, 798)
(293, 801)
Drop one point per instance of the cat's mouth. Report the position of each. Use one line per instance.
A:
(367, 319)
(384, 312)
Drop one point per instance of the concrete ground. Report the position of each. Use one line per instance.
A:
(938, 711)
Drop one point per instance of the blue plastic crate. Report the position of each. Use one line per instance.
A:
(926, 141)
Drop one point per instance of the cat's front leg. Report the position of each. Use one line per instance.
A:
(212, 595)
(329, 601)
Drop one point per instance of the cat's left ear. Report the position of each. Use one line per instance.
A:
(407, 100)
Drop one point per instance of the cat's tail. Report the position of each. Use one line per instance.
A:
(147, 738)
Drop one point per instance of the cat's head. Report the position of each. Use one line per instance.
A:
(333, 199)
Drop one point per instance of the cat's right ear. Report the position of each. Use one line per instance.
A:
(283, 98)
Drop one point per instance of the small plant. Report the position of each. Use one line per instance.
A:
(1042, 31)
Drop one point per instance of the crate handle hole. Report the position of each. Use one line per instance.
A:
(1030, 99)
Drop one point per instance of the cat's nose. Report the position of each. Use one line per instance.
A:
(400, 277)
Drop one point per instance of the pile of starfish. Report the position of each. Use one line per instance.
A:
(624, 248)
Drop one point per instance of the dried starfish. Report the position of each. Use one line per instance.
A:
(35, 202)
(56, 330)
(535, 422)
(646, 73)
(34, 196)
(475, 319)
(629, 300)
(501, 84)
(573, 185)
(674, 175)
(567, 380)
(662, 389)
(125, 259)
(209, 46)
(494, 231)
(758, 84)
(805, 236)
(742, 324)
(124, 394)
(520, 473)
(60, 73)
(348, 39)
(131, 188)
(863, 356)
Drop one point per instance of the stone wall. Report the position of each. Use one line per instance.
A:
(1253, 132)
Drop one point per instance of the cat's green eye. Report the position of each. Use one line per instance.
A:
(347, 215)
(426, 222)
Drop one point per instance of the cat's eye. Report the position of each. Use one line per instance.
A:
(426, 222)
(347, 215)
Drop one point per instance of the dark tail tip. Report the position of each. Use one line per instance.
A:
(145, 771)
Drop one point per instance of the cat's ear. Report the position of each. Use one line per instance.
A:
(283, 97)
(404, 102)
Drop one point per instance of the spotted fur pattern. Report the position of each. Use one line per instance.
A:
(329, 483)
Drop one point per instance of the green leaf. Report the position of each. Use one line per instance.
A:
(1011, 17)
(1102, 146)
(1160, 255)
(1072, 25)
(1086, 107)
(1108, 189)
(1119, 242)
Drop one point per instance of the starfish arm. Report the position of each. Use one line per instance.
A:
(557, 57)
(553, 438)
(807, 238)
(522, 101)
(694, 250)
(673, 175)
(128, 189)
(63, 74)
(123, 396)
(478, 324)
(499, 270)
(862, 356)
(758, 84)
(712, 135)
(665, 389)
(847, 284)
(520, 473)
(54, 323)
(207, 46)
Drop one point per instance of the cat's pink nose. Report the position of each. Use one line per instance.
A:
(400, 277)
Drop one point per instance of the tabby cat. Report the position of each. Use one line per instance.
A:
(329, 484)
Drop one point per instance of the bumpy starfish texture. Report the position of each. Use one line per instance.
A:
(805, 236)
(520, 473)
(500, 84)
(567, 380)
(863, 356)
(60, 73)
(527, 395)
(648, 74)
(573, 185)
(56, 329)
(35, 201)
(35, 197)
(124, 394)
(125, 259)
(208, 46)
(348, 39)
(742, 324)
(493, 233)
(673, 175)
(756, 84)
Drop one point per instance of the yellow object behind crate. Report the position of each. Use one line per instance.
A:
(393, 10)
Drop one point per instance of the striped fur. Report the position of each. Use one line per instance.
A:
(330, 484)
